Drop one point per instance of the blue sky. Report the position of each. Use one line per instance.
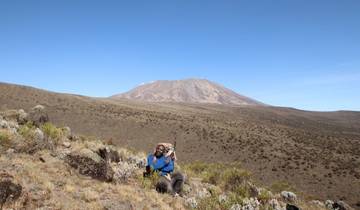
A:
(295, 53)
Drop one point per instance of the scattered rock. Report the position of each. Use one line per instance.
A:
(203, 193)
(317, 203)
(291, 207)
(12, 126)
(90, 164)
(67, 132)
(329, 204)
(289, 196)
(187, 189)
(248, 204)
(10, 151)
(19, 116)
(251, 204)
(4, 123)
(341, 205)
(122, 171)
(223, 198)
(39, 135)
(275, 205)
(109, 154)
(35, 143)
(9, 191)
(66, 144)
(38, 115)
(236, 207)
(191, 202)
(22, 117)
(138, 161)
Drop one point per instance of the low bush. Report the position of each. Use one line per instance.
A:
(52, 131)
(5, 138)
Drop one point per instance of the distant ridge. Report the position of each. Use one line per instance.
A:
(186, 91)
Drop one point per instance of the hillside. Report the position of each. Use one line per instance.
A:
(186, 91)
(48, 167)
(316, 152)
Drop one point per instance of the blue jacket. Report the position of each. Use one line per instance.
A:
(163, 165)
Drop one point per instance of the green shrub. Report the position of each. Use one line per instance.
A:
(27, 131)
(52, 131)
(5, 138)
(264, 196)
(234, 177)
(227, 176)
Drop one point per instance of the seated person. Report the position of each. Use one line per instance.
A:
(159, 162)
(162, 161)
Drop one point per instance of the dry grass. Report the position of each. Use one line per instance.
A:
(55, 185)
(51, 131)
(6, 138)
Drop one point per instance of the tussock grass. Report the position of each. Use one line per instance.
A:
(27, 131)
(5, 138)
(52, 131)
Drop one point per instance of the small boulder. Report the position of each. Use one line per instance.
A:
(223, 198)
(138, 161)
(39, 135)
(109, 154)
(38, 115)
(91, 164)
(9, 190)
(236, 207)
(122, 171)
(22, 116)
(19, 116)
(191, 202)
(329, 204)
(66, 144)
(251, 204)
(10, 151)
(275, 205)
(289, 196)
(317, 203)
(203, 193)
(291, 207)
(4, 124)
(67, 132)
(341, 205)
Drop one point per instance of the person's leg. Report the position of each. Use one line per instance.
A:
(177, 182)
(163, 185)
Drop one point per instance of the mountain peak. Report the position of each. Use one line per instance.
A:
(192, 90)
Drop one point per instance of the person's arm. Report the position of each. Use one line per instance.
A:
(169, 167)
(149, 160)
(160, 163)
(148, 166)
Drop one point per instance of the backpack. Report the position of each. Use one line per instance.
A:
(169, 150)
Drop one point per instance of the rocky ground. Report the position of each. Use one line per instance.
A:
(49, 167)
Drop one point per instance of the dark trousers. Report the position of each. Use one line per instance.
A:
(172, 186)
